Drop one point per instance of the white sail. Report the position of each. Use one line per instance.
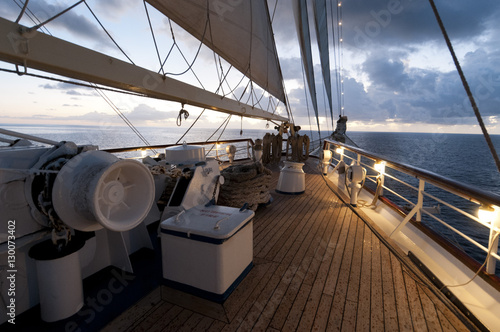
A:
(303, 31)
(239, 31)
(321, 24)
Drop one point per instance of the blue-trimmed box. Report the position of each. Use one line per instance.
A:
(207, 251)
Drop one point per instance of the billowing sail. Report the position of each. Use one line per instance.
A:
(302, 21)
(321, 24)
(239, 31)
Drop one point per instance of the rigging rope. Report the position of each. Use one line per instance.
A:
(307, 104)
(466, 86)
(154, 39)
(196, 120)
(190, 65)
(36, 27)
(226, 121)
(123, 117)
(22, 11)
(109, 35)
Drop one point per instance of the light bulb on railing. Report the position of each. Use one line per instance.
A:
(380, 167)
(339, 151)
(487, 214)
(144, 153)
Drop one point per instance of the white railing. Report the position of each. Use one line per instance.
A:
(463, 212)
(215, 149)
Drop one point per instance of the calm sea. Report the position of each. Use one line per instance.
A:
(465, 158)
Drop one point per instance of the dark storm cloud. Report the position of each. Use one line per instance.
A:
(387, 72)
(410, 22)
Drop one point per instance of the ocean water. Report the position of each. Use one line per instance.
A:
(464, 158)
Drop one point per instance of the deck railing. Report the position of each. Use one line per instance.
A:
(460, 209)
(215, 149)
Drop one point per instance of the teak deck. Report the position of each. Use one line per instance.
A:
(317, 266)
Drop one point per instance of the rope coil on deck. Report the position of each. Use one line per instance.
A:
(245, 184)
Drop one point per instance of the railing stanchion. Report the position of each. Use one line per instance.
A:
(493, 245)
(420, 201)
(416, 209)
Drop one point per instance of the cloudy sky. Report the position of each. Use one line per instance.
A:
(398, 73)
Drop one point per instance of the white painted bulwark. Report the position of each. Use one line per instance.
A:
(207, 250)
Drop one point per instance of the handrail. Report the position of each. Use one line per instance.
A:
(163, 146)
(466, 191)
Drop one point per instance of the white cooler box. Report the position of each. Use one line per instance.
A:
(207, 251)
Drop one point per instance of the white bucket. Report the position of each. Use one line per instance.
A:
(59, 281)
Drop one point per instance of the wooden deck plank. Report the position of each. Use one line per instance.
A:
(298, 306)
(402, 305)
(247, 321)
(364, 296)
(377, 302)
(445, 312)
(203, 324)
(302, 206)
(349, 320)
(319, 284)
(179, 321)
(159, 319)
(244, 291)
(279, 207)
(314, 211)
(318, 256)
(267, 213)
(333, 273)
(251, 309)
(295, 253)
(316, 246)
(429, 309)
(388, 290)
(415, 304)
(340, 295)
(216, 326)
(280, 224)
(445, 323)
(266, 218)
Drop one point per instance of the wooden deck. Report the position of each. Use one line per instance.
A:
(319, 267)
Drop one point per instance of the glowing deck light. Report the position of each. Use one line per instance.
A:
(144, 153)
(340, 151)
(380, 167)
(487, 214)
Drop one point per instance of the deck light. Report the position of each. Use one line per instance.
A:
(380, 167)
(487, 214)
(340, 151)
(144, 153)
